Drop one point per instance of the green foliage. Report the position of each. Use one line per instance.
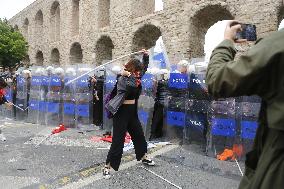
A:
(13, 47)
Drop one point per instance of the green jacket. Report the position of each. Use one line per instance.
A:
(259, 72)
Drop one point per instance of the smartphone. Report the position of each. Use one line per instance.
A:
(248, 32)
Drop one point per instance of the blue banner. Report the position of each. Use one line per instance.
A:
(110, 82)
(34, 105)
(83, 110)
(45, 80)
(161, 58)
(176, 118)
(42, 106)
(223, 127)
(55, 81)
(143, 117)
(147, 81)
(52, 107)
(248, 130)
(178, 81)
(69, 108)
(196, 121)
(20, 81)
(83, 81)
(36, 81)
(197, 81)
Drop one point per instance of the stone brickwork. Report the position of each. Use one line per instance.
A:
(91, 31)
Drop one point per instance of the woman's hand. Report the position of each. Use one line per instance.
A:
(144, 51)
(125, 73)
(93, 79)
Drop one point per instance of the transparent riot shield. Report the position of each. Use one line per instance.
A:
(43, 101)
(222, 131)
(110, 81)
(69, 102)
(196, 110)
(35, 95)
(54, 103)
(248, 112)
(23, 81)
(6, 112)
(176, 105)
(146, 103)
(84, 100)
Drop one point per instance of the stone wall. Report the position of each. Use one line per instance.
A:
(91, 31)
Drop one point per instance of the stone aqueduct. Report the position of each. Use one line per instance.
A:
(90, 31)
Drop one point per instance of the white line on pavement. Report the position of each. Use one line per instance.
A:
(87, 181)
(161, 177)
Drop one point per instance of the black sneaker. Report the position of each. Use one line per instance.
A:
(106, 173)
(148, 162)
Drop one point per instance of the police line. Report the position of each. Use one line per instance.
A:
(189, 112)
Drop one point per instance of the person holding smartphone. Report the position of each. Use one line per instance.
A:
(258, 72)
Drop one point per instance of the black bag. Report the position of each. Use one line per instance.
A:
(108, 98)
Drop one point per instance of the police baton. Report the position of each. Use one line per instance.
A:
(16, 106)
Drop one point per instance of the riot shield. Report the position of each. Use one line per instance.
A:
(83, 99)
(247, 122)
(54, 103)
(111, 72)
(176, 105)
(196, 110)
(44, 89)
(222, 131)
(146, 103)
(69, 103)
(23, 81)
(8, 113)
(34, 98)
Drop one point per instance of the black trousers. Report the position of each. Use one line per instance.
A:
(157, 121)
(126, 119)
(98, 110)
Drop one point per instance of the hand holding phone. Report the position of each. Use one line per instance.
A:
(238, 32)
(248, 32)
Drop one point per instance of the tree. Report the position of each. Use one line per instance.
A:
(13, 47)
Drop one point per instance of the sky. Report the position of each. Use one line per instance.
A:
(158, 5)
(9, 8)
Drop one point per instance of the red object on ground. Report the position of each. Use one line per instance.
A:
(109, 138)
(59, 129)
(227, 154)
(236, 152)
(96, 138)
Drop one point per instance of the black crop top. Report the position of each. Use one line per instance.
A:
(133, 93)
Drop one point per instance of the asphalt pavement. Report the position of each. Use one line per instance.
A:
(74, 159)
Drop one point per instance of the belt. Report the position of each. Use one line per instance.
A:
(129, 102)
